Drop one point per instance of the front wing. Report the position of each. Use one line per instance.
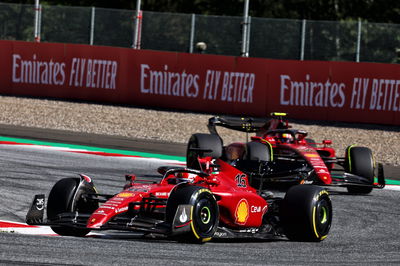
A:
(132, 220)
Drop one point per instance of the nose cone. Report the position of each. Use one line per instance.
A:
(97, 220)
(112, 207)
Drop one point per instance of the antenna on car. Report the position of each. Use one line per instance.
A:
(247, 125)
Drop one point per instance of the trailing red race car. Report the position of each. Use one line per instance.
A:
(214, 200)
(278, 155)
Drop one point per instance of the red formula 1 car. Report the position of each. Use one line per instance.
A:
(280, 156)
(214, 200)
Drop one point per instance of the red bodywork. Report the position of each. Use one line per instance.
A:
(288, 157)
(299, 146)
(239, 204)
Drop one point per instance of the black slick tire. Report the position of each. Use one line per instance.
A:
(61, 201)
(360, 162)
(306, 213)
(200, 141)
(256, 151)
(204, 215)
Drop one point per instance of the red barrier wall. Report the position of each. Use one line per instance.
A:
(342, 91)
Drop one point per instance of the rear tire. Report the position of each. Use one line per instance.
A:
(204, 215)
(210, 142)
(256, 151)
(61, 200)
(306, 213)
(255, 154)
(360, 161)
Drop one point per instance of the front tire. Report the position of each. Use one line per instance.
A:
(360, 162)
(204, 215)
(61, 200)
(306, 213)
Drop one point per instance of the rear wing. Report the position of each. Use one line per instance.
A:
(248, 124)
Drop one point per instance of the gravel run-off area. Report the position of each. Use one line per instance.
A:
(173, 126)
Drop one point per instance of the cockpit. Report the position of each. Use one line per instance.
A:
(285, 136)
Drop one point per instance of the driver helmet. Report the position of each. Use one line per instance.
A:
(185, 177)
(287, 138)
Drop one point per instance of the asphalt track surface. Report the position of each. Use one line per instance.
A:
(365, 229)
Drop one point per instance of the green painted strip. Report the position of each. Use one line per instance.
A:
(389, 181)
(392, 182)
(94, 149)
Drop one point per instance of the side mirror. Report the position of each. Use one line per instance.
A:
(327, 142)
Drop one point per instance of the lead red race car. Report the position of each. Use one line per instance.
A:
(279, 156)
(211, 200)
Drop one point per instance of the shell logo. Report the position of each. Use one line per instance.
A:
(242, 212)
(311, 155)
